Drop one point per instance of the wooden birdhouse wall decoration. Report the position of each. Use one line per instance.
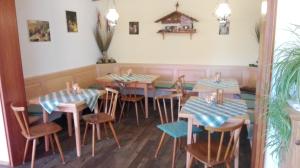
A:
(177, 22)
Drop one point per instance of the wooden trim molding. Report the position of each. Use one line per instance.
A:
(11, 79)
(264, 83)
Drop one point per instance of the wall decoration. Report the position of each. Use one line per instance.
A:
(38, 30)
(71, 21)
(224, 28)
(177, 22)
(134, 28)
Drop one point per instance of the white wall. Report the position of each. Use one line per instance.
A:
(206, 47)
(287, 14)
(4, 158)
(66, 50)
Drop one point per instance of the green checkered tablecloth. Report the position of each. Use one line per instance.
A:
(223, 84)
(214, 115)
(50, 101)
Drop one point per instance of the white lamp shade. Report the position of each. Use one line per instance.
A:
(223, 10)
(112, 15)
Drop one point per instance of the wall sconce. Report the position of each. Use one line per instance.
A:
(112, 15)
(223, 11)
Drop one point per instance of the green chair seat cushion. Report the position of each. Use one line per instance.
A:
(164, 86)
(247, 96)
(189, 86)
(177, 129)
(35, 110)
(250, 104)
(251, 116)
(96, 86)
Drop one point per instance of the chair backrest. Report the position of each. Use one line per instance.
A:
(161, 103)
(22, 118)
(179, 85)
(110, 106)
(233, 128)
(127, 89)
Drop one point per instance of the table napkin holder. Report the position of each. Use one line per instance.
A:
(220, 96)
(129, 72)
(76, 88)
(217, 77)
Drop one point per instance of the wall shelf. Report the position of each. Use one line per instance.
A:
(190, 32)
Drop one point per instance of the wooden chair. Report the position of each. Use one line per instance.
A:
(106, 117)
(211, 152)
(35, 132)
(128, 95)
(180, 88)
(171, 126)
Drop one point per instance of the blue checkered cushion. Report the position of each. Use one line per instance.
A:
(177, 129)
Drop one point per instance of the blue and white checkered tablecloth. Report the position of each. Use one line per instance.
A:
(132, 77)
(218, 85)
(214, 115)
(50, 101)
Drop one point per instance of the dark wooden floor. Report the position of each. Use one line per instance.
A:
(138, 146)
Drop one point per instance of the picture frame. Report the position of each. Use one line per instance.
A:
(71, 18)
(224, 28)
(39, 31)
(134, 28)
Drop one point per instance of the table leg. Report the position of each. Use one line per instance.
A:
(237, 149)
(146, 100)
(77, 131)
(45, 120)
(189, 140)
(69, 120)
(96, 110)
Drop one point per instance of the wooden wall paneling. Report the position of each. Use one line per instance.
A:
(11, 76)
(266, 53)
(166, 74)
(192, 75)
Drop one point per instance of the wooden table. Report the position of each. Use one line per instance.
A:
(205, 88)
(145, 84)
(192, 121)
(72, 109)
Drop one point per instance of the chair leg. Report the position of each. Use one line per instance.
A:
(84, 134)
(136, 113)
(101, 104)
(122, 111)
(114, 134)
(160, 144)
(227, 164)
(25, 151)
(93, 140)
(142, 106)
(33, 153)
(174, 152)
(59, 148)
(52, 145)
(105, 130)
(190, 162)
(154, 104)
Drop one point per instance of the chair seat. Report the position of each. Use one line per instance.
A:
(97, 118)
(200, 152)
(164, 86)
(177, 129)
(188, 86)
(132, 99)
(247, 96)
(43, 130)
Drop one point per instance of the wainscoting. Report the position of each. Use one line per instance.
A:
(40, 85)
(86, 76)
(246, 76)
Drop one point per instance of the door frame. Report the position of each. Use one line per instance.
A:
(263, 85)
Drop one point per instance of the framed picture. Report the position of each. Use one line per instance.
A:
(134, 28)
(224, 28)
(38, 30)
(71, 21)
